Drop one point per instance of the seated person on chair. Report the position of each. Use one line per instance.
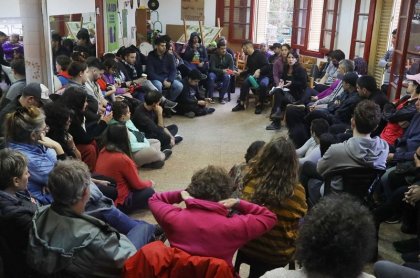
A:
(221, 67)
(148, 118)
(73, 241)
(195, 54)
(257, 69)
(331, 72)
(161, 70)
(190, 102)
(206, 227)
(17, 208)
(359, 151)
(335, 240)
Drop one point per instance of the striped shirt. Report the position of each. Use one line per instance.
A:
(277, 246)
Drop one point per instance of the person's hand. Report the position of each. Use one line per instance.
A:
(200, 65)
(314, 98)
(153, 184)
(404, 124)
(111, 88)
(50, 143)
(107, 118)
(166, 84)
(158, 109)
(172, 141)
(389, 64)
(312, 108)
(185, 195)
(229, 203)
(257, 73)
(416, 158)
(202, 103)
(288, 83)
(412, 195)
(101, 110)
(101, 182)
(70, 142)
(390, 157)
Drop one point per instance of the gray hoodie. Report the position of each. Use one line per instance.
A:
(355, 152)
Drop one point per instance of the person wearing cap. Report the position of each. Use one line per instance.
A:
(96, 69)
(221, 67)
(400, 113)
(18, 69)
(33, 95)
(190, 102)
(161, 70)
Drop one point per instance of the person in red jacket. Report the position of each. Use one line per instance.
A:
(206, 227)
(115, 161)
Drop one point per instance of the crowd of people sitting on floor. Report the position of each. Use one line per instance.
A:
(70, 159)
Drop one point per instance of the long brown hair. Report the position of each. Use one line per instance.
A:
(275, 170)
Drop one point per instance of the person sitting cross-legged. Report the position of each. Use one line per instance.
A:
(190, 102)
(63, 239)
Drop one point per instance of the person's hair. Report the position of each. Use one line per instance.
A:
(83, 34)
(211, 183)
(68, 180)
(21, 123)
(221, 43)
(338, 55)
(56, 117)
(128, 51)
(79, 54)
(120, 52)
(275, 170)
(253, 150)
(418, 86)
(152, 97)
(287, 46)
(76, 67)
(367, 116)
(68, 44)
(110, 63)
(107, 56)
(368, 82)
(394, 32)
(12, 164)
(15, 36)
(119, 108)
(336, 238)
(74, 98)
(296, 65)
(64, 61)
(319, 127)
(347, 64)
(116, 139)
(18, 66)
(2, 34)
(160, 39)
(94, 62)
(247, 42)
(56, 37)
(325, 141)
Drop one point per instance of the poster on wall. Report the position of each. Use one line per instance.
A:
(192, 10)
(111, 28)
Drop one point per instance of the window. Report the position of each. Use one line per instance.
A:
(362, 29)
(315, 26)
(237, 16)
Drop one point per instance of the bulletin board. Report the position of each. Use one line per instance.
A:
(192, 10)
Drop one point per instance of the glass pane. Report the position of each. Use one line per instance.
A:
(412, 64)
(329, 20)
(362, 28)
(226, 15)
(327, 40)
(330, 4)
(402, 32)
(227, 2)
(242, 3)
(240, 32)
(414, 39)
(303, 4)
(301, 36)
(279, 21)
(241, 15)
(364, 6)
(359, 49)
(315, 25)
(302, 18)
(395, 68)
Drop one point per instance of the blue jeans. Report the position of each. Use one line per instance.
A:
(211, 83)
(385, 269)
(246, 85)
(175, 89)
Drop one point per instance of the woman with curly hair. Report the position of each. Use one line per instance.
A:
(336, 239)
(272, 181)
(206, 227)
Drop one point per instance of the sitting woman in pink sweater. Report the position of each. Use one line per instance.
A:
(115, 161)
(206, 227)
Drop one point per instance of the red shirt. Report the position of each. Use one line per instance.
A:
(123, 170)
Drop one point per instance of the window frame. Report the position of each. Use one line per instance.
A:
(333, 29)
(369, 29)
(220, 13)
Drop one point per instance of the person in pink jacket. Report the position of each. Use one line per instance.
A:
(207, 227)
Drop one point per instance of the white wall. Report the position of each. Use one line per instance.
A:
(9, 8)
(345, 25)
(55, 7)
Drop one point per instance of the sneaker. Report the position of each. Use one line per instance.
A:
(395, 219)
(169, 104)
(154, 165)
(238, 107)
(258, 109)
(221, 101)
(190, 114)
(210, 110)
(178, 139)
(273, 126)
(167, 153)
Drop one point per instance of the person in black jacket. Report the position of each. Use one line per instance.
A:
(17, 208)
(190, 102)
(291, 89)
(257, 68)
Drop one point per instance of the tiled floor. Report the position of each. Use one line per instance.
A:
(222, 139)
